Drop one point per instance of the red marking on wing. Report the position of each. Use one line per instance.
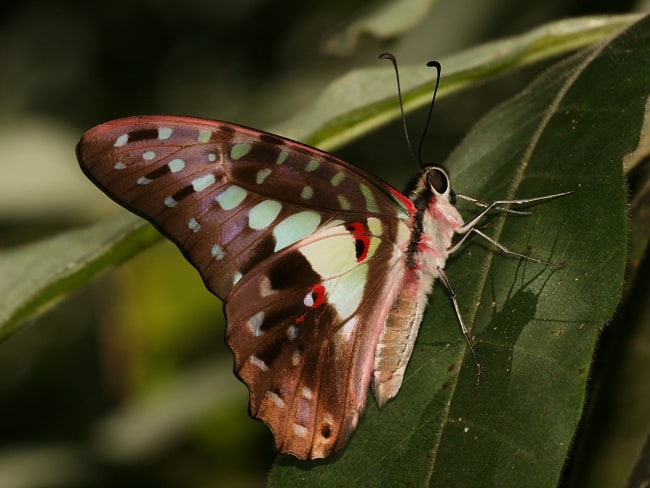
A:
(408, 204)
(359, 231)
(317, 296)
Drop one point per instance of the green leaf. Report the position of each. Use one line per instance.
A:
(640, 204)
(365, 99)
(385, 21)
(535, 326)
(353, 105)
(573, 129)
(37, 275)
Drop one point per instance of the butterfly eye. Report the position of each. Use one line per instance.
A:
(439, 181)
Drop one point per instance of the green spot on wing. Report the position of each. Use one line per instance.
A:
(240, 150)
(344, 202)
(337, 178)
(164, 133)
(312, 165)
(231, 198)
(263, 214)
(282, 157)
(203, 182)
(295, 228)
(262, 175)
(176, 165)
(371, 203)
(204, 135)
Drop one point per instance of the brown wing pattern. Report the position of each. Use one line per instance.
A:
(308, 362)
(306, 250)
(200, 182)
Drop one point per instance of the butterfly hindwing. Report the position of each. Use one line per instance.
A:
(306, 250)
(307, 349)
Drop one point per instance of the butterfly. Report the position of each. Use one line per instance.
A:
(324, 269)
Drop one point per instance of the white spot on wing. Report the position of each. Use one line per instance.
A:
(143, 180)
(119, 165)
(255, 324)
(349, 327)
(120, 141)
(164, 133)
(266, 289)
(176, 165)
(309, 300)
(193, 225)
(170, 202)
(235, 279)
(307, 393)
(300, 430)
(217, 252)
(275, 398)
(292, 332)
(148, 155)
(296, 357)
(255, 361)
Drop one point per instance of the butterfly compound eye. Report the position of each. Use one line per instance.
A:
(438, 180)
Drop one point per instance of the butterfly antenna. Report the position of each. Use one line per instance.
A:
(436, 65)
(393, 60)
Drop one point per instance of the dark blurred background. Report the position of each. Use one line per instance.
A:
(129, 382)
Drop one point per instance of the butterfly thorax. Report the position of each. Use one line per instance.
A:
(435, 222)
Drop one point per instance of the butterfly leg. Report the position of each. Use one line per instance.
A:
(470, 227)
(452, 294)
(480, 203)
(471, 224)
(499, 246)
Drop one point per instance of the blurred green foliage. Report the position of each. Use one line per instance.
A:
(128, 382)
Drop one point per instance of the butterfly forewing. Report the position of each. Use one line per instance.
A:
(306, 250)
(226, 193)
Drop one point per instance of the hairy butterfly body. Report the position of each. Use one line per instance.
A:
(324, 269)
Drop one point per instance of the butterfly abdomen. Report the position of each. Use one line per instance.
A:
(432, 229)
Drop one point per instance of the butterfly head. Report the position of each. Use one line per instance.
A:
(434, 184)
